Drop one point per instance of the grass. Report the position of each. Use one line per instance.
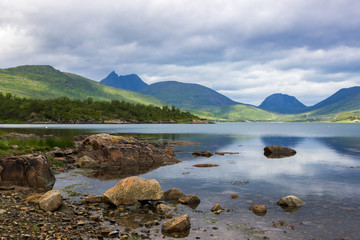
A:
(7, 146)
(43, 82)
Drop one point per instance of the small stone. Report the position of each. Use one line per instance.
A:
(259, 210)
(94, 198)
(173, 194)
(80, 223)
(179, 225)
(234, 196)
(191, 200)
(216, 208)
(163, 208)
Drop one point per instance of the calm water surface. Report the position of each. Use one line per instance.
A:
(325, 173)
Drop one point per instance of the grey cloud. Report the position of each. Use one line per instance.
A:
(245, 49)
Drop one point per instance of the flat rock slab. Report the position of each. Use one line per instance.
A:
(202, 154)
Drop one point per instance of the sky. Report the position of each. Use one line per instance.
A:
(244, 49)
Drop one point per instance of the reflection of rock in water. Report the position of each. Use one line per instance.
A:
(290, 142)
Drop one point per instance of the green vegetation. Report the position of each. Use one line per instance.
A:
(347, 117)
(65, 110)
(45, 82)
(23, 146)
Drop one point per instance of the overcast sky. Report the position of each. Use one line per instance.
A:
(245, 49)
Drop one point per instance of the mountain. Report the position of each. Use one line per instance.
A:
(187, 95)
(282, 103)
(130, 82)
(346, 99)
(43, 81)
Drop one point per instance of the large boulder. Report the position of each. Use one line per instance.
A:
(119, 156)
(133, 189)
(278, 152)
(50, 201)
(30, 170)
(177, 227)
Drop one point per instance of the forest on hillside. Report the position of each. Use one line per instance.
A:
(64, 110)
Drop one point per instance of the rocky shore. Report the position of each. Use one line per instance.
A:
(135, 208)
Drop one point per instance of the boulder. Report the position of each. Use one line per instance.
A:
(173, 194)
(202, 154)
(278, 152)
(50, 201)
(133, 189)
(190, 200)
(30, 170)
(87, 162)
(177, 227)
(290, 202)
(120, 156)
(259, 210)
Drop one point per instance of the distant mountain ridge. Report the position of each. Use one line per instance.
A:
(130, 82)
(187, 95)
(44, 82)
(282, 103)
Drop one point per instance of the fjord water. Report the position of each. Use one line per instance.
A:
(325, 173)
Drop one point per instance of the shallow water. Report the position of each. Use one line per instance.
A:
(320, 174)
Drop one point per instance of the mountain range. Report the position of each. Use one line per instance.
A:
(34, 81)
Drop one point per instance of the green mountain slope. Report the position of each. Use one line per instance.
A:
(46, 82)
(187, 95)
(344, 100)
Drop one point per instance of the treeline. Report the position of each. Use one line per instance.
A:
(65, 110)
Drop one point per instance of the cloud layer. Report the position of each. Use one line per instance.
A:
(246, 50)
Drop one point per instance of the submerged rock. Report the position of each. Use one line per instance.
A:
(202, 154)
(278, 152)
(30, 170)
(50, 201)
(133, 189)
(177, 227)
(205, 165)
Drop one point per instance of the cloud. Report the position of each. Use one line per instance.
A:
(244, 49)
